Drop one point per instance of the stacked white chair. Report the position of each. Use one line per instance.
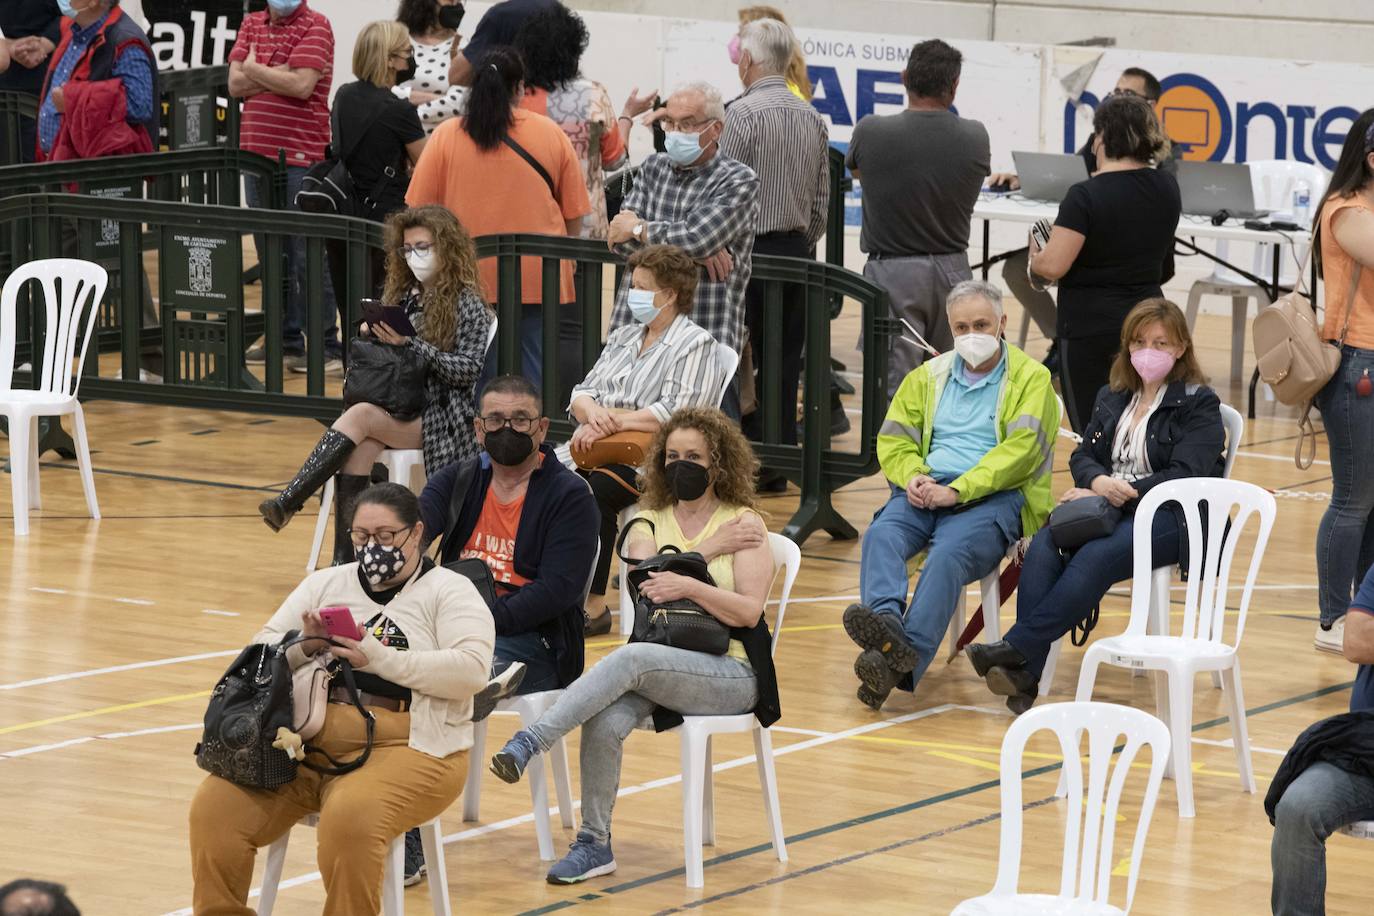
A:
(1202, 644)
(401, 464)
(71, 294)
(1090, 831)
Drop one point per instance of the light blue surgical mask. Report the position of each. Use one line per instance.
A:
(642, 305)
(280, 7)
(682, 148)
(66, 9)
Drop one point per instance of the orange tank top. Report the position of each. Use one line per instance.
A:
(1337, 266)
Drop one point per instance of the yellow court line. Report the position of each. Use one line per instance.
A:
(972, 761)
(946, 746)
(104, 710)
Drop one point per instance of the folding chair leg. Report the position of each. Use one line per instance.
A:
(708, 799)
(539, 799)
(1161, 678)
(1181, 731)
(768, 782)
(271, 874)
(562, 782)
(35, 493)
(1051, 662)
(990, 590)
(19, 472)
(1087, 677)
(957, 621)
(472, 789)
(83, 461)
(1240, 733)
(693, 753)
(432, 838)
(326, 506)
(393, 878)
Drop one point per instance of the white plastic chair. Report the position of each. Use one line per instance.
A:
(1360, 830)
(1199, 646)
(695, 732)
(1090, 832)
(72, 291)
(530, 707)
(1271, 181)
(393, 888)
(400, 468)
(1234, 424)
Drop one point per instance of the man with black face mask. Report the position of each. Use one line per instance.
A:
(533, 522)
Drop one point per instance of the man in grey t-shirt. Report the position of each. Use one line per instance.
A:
(921, 171)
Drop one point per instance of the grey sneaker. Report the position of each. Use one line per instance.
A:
(293, 361)
(586, 858)
(415, 867)
(298, 364)
(256, 356)
(509, 763)
(498, 688)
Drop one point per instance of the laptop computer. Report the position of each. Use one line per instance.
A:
(1210, 187)
(1048, 176)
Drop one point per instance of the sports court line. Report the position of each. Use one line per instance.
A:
(132, 666)
(109, 736)
(1264, 457)
(103, 711)
(163, 478)
(892, 812)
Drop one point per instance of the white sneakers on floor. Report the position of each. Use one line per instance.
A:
(1331, 640)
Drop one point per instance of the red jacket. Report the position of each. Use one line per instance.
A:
(94, 125)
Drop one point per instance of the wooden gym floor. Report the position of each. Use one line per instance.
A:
(117, 629)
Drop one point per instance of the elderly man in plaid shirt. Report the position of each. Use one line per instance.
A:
(696, 198)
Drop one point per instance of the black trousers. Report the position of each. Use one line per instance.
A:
(615, 488)
(1084, 365)
(787, 350)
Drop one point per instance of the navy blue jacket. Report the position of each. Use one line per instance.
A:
(555, 546)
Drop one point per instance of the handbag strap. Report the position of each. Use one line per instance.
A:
(534, 163)
(337, 128)
(625, 532)
(461, 482)
(1305, 451)
(1350, 299)
(340, 767)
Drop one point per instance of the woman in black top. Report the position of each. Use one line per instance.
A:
(1111, 247)
(378, 135)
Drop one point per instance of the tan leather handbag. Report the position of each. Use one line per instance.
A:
(628, 448)
(310, 695)
(1293, 358)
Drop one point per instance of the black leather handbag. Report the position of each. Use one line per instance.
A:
(391, 377)
(1073, 524)
(682, 624)
(249, 711)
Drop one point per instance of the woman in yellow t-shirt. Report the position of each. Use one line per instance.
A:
(698, 495)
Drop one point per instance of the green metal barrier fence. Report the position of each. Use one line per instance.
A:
(203, 326)
(14, 106)
(197, 110)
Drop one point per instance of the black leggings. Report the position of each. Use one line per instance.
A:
(1084, 365)
(614, 487)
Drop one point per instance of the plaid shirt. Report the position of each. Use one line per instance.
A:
(701, 210)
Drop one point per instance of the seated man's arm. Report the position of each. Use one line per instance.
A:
(569, 547)
(1026, 449)
(435, 499)
(1359, 635)
(710, 227)
(900, 438)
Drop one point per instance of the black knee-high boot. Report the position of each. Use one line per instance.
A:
(347, 487)
(325, 460)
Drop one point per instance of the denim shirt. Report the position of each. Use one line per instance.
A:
(133, 68)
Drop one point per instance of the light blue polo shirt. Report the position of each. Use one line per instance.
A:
(965, 427)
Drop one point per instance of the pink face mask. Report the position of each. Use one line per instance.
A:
(1152, 364)
(733, 47)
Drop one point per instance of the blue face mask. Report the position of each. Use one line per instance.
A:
(642, 305)
(682, 148)
(66, 9)
(280, 7)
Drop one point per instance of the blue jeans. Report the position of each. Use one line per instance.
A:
(532, 352)
(1345, 537)
(1054, 595)
(966, 543)
(294, 320)
(541, 664)
(1316, 804)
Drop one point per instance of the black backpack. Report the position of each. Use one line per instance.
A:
(682, 624)
(327, 186)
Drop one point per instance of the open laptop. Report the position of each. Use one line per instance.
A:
(1210, 187)
(1048, 176)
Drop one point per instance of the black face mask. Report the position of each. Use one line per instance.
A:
(450, 17)
(687, 479)
(408, 74)
(509, 448)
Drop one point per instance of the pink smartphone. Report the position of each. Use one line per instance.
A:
(338, 621)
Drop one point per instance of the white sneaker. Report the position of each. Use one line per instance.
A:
(1331, 640)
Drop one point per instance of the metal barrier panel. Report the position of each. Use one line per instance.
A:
(197, 110)
(14, 106)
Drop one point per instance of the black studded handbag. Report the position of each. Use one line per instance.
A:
(682, 624)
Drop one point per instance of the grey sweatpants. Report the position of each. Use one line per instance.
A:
(917, 287)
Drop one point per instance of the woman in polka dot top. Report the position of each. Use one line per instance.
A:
(433, 39)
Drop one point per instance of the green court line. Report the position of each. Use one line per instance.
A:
(894, 811)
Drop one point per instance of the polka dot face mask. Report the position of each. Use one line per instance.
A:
(380, 564)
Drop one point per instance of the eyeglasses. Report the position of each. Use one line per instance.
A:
(520, 424)
(417, 248)
(687, 127)
(385, 537)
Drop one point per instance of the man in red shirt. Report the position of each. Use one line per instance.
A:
(282, 65)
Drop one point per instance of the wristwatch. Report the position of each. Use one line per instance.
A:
(638, 232)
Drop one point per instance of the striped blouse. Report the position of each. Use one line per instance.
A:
(679, 370)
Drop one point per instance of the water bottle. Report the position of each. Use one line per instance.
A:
(1302, 203)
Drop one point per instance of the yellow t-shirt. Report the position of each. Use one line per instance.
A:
(722, 568)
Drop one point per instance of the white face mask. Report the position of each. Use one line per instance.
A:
(421, 265)
(976, 349)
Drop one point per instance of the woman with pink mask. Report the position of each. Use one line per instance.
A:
(1153, 421)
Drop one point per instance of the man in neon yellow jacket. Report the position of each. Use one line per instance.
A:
(968, 445)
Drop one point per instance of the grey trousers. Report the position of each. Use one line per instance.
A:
(619, 692)
(1039, 303)
(917, 287)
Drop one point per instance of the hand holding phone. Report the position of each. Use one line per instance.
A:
(338, 621)
(376, 312)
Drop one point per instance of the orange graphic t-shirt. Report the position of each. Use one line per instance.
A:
(493, 540)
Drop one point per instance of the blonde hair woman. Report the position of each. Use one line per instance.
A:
(431, 270)
(797, 80)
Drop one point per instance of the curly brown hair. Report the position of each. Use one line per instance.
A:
(733, 465)
(673, 269)
(455, 258)
(1186, 369)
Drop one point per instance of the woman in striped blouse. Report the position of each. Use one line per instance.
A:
(650, 368)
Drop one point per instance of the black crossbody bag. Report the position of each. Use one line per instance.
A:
(682, 624)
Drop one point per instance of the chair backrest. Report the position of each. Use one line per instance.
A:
(787, 557)
(1210, 553)
(728, 360)
(491, 332)
(1235, 428)
(72, 291)
(1272, 182)
(1090, 828)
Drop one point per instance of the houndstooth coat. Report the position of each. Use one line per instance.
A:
(446, 424)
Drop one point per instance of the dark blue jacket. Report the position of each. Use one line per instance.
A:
(555, 545)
